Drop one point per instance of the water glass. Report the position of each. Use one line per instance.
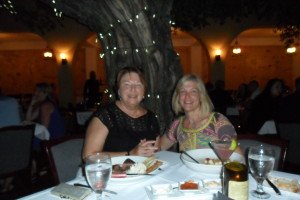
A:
(261, 162)
(98, 171)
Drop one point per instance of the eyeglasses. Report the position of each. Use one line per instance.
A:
(128, 85)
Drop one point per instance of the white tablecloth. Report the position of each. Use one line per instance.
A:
(268, 127)
(175, 172)
(41, 132)
(83, 116)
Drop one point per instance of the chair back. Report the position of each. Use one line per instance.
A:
(291, 132)
(64, 157)
(280, 146)
(15, 149)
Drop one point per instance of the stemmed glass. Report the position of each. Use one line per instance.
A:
(98, 171)
(261, 162)
(223, 149)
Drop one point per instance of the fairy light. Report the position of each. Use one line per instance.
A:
(56, 11)
(127, 51)
(8, 6)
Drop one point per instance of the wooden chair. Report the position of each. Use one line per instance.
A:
(291, 132)
(279, 145)
(16, 152)
(64, 157)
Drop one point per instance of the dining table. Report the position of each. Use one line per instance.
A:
(173, 172)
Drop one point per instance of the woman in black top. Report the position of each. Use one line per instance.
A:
(124, 127)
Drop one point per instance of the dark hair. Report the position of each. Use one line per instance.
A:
(127, 70)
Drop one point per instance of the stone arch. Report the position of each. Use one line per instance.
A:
(193, 54)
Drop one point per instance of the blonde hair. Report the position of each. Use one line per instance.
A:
(205, 102)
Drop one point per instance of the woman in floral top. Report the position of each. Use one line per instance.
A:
(197, 124)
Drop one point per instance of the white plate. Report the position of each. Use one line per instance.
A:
(284, 183)
(200, 155)
(133, 178)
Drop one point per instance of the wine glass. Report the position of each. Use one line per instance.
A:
(223, 149)
(261, 162)
(98, 171)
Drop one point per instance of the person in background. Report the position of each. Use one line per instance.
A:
(241, 94)
(43, 110)
(124, 127)
(10, 111)
(91, 93)
(265, 106)
(253, 89)
(220, 98)
(197, 124)
(289, 109)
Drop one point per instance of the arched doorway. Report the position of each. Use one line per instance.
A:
(263, 56)
(193, 55)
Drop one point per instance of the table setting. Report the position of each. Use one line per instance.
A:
(165, 182)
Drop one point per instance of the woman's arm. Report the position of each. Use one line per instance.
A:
(165, 142)
(95, 137)
(169, 138)
(47, 109)
(32, 111)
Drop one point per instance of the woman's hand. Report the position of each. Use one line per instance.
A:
(145, 148)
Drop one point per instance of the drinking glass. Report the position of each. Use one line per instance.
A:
(261, 162)
(98, 172)
(223, 149)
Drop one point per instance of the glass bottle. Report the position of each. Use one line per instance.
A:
(236, 180)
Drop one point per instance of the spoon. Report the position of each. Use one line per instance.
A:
(184, 152)
(273, 186)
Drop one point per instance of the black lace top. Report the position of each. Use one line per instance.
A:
(126, 132)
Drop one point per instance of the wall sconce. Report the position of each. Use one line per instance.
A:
(236, 49)
(63, 58)
(291, 50)
(218, 53)
(48, 53)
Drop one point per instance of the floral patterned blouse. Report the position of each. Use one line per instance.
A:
(216, 127)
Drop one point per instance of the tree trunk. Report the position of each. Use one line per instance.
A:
(133, 33)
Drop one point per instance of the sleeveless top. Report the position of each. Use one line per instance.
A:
(216, 127)
(125, 132)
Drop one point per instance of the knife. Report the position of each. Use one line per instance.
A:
(273, 186)
(136, 174)
(105, 190)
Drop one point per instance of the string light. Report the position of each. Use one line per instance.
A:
(56, 11)
(8, 5)
(109, 33)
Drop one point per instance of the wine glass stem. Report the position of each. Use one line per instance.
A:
(98, 195)
(259, 187)
(222, 178)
